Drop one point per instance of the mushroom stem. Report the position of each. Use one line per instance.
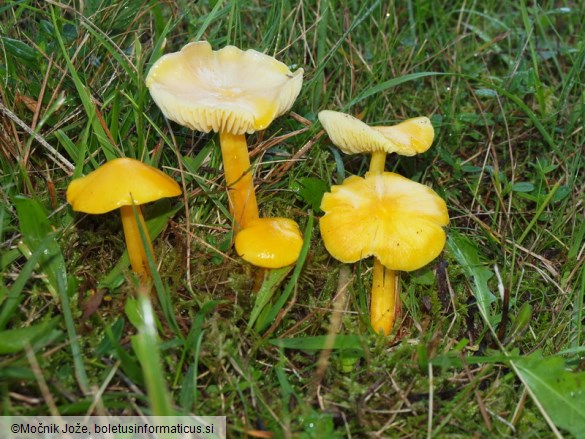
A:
(238, 176)
(385, 304)
(136, 252)
(378, 162)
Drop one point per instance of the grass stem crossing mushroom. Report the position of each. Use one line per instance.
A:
(385, 215)
(408, 138)
(122, 183)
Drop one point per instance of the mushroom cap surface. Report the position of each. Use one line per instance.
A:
(109, 187)
(225, 90)
(384, 215)
(270, 242)
(353, 136)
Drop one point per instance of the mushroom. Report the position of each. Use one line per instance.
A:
(121, 183)
(255, 244)
(408, 138)
(353, 136)
(385, 215)
(232, 92)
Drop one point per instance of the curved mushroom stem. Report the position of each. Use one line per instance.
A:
(238, 176)
(385, 304)
(136, 252)
(385, 301)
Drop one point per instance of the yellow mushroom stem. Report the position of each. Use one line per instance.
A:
(136, 252)
(385, 301)
(378, 162)
(238, 176)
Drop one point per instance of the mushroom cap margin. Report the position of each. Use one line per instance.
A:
(384, 215)
(352, 136)
(117, 183)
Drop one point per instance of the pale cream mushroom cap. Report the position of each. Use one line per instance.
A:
(228, 90)
(353, 136)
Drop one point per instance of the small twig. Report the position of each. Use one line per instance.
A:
(505, 295)
(98, 394)
(57, 158)
(283, 169)
(186, 201)
(519, 408)
(206, 244)
(36, 369)
(431, 395)
(33, 125)
(273, 141)
(338, 306)
(281, 315)
(480, 404)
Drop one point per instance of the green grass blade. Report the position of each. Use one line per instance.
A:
(272, 280)
(208, 20)
(319, 342)
(189, 392)
(108, 149)
(162, 291)
(560, 392)
(386, 85)
(35, 227)
(467, 256)
(15, 340)
(13, 298)
(146, 344)
(270, 316)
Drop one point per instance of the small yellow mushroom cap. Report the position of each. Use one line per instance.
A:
(353, 136)
(384, 215)
(225, 90)
(116, 183)
(270, 242)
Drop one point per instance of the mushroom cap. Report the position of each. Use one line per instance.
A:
(118, 183)
(270, 242)
(225, 90)
(384, 215)
(352, 136)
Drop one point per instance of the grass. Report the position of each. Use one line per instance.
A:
(491, 340)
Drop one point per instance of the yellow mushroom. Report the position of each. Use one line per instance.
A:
(256, 245)
(117, 184)
(231, 92)
(408, 138)
(385, 215)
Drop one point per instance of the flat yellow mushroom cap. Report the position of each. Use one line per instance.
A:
(225, 90)
(109, 187)
(353, 136)
(384, 215)
(270, 242)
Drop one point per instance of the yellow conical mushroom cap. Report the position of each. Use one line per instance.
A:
(109, 187)
(225, 90)
(352, 136)
(270, 242)
(387, 216)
